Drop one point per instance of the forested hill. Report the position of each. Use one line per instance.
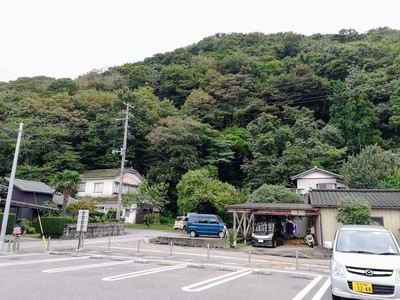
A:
(260, 108)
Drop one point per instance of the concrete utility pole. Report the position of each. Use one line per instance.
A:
(10, 188)
(123, 154)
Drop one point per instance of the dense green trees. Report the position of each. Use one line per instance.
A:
(370, 168)
(258, 108)
(274, 194)
(200, 191)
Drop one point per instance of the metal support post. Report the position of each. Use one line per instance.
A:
(170, 249)
(10, 189)
(80, 240)
(138, 247)
(297, 259)
(249, 256)
(123, 154)
(109, 245)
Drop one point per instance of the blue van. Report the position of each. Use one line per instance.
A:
(204, 224)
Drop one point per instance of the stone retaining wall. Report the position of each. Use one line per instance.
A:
(94, 230)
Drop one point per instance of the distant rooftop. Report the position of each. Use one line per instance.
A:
(32, 186)
(106, 173)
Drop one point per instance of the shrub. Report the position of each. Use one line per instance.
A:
(53, 226)
(151, 219)
(166, 220)
(354, 211)
(10, 222)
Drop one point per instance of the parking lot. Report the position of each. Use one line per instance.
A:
(90, 277)
(130, 266)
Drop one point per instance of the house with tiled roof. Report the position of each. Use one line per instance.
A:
(317, 178)
(385, 207)
(103, 186)
(322, 192)
(29, 196)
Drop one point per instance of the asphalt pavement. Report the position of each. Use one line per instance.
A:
(137, 244)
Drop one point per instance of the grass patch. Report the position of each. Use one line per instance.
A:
(163, 227)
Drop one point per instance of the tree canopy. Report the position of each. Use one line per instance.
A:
(260, 108)
(274, 194)
(354, 211)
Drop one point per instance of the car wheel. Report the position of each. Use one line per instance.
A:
(334, 297)
(274, 244)
(221, 234)
(193, 233)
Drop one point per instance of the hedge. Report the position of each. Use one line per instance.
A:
(51, 225)
(10, 223)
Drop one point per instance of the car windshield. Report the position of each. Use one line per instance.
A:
(372, 242)
(265, 227)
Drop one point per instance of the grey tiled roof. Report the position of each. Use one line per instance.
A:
(261, 206)
(376, 198)
(106, 173)
(33, 186)
(58, 199)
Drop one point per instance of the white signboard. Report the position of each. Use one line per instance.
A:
(83, 218)
(298, 212)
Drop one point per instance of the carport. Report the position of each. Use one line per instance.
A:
(244, 216)
(18, 205)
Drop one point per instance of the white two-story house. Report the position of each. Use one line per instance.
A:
(103, 185)
(317, 178)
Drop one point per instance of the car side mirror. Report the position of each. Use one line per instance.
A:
(328, 245)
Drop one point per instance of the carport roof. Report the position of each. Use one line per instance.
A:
(272, 208)
(18, 204)
(376, 198)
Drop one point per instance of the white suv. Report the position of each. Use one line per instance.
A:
(365, 263)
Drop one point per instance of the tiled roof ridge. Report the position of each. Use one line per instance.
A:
(313, 170)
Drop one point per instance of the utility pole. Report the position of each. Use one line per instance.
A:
(123, 154)
(10, 188)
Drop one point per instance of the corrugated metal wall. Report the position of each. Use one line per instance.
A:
(391, 219)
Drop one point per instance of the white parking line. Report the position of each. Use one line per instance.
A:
(75, 268)
(322, 290)
(144, 272)
(308, 288)
(30, 262)
(233, 258)
(217, 280)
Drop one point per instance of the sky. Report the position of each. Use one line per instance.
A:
(68, 38)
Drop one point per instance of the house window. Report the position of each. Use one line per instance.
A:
(326, 186)
(98, 187)
(125, 188)
(377, 221)
(82, 187)
(116, 187)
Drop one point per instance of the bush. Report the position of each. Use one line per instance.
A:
(10, 222)
(29, 226)
(354, 211)
(151, 219)
(166, 220)
(53, 226)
